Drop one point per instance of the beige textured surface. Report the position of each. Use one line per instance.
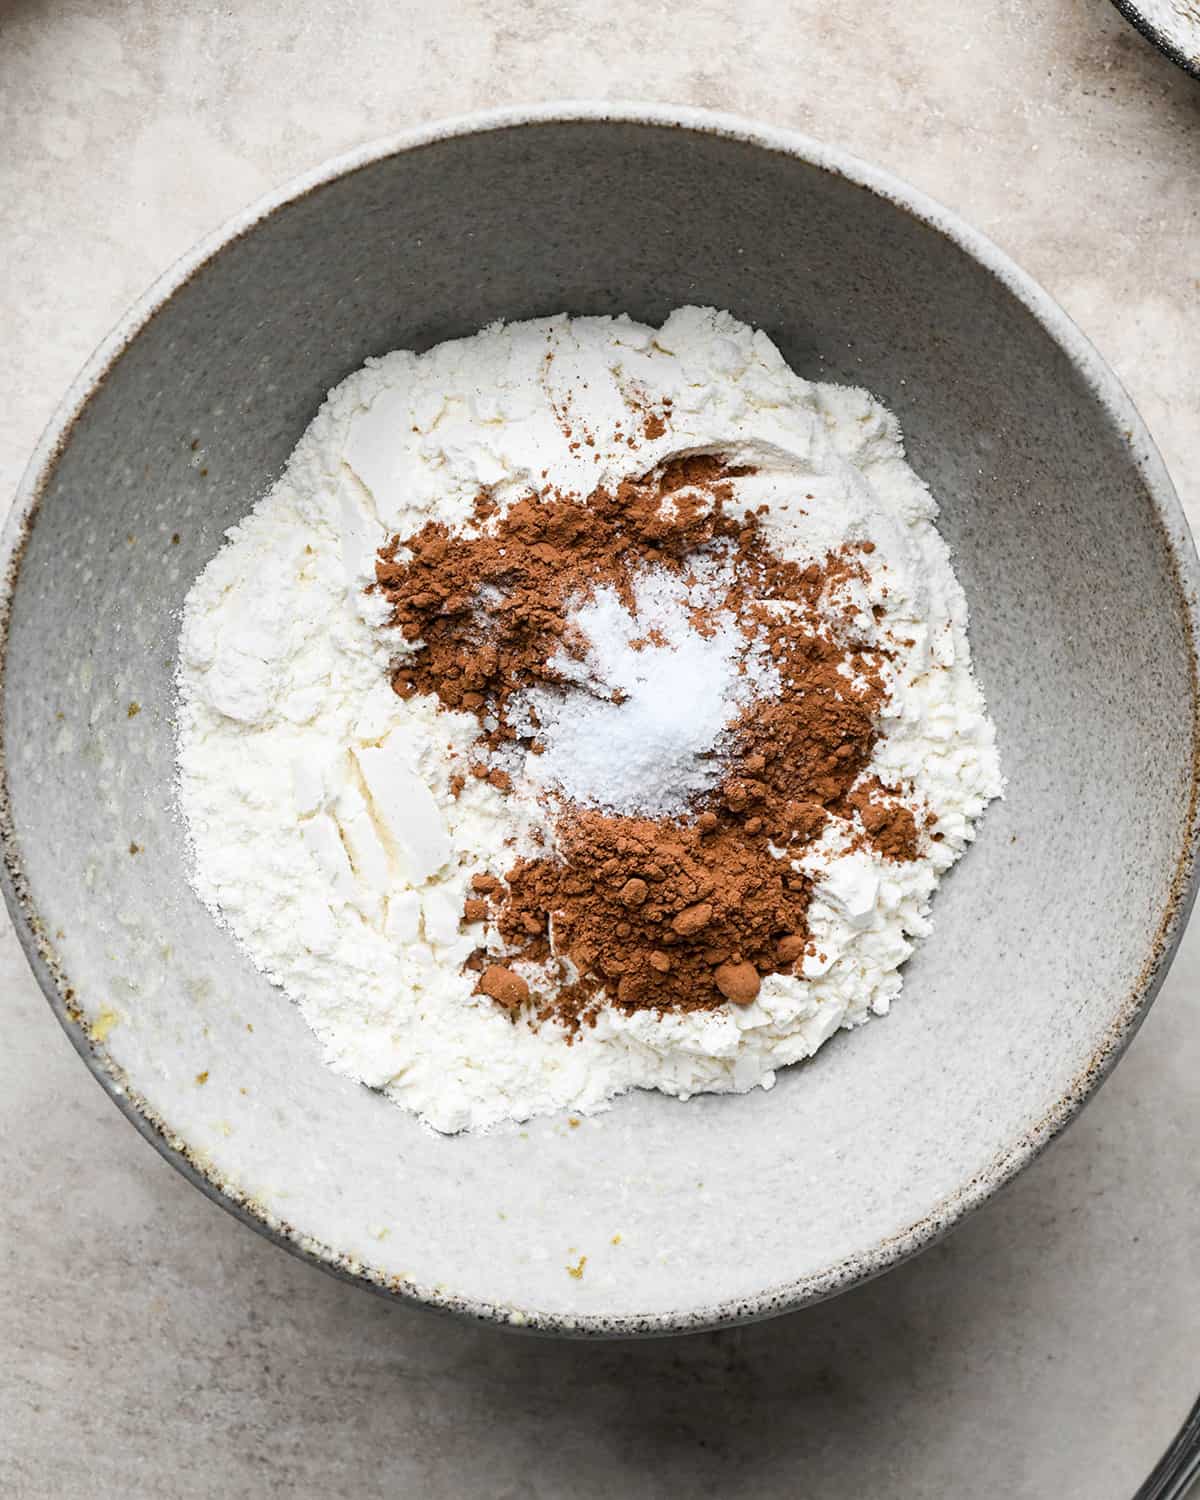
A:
(153, 1347)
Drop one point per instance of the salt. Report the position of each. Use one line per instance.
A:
(641, 721)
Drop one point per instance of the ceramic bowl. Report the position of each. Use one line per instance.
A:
(1050, 937)
(1172, 25)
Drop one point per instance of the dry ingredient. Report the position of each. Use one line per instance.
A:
(588, 706)
(672, 883)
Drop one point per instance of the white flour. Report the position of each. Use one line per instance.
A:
(319, 803)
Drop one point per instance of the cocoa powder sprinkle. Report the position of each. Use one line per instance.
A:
(671, 913)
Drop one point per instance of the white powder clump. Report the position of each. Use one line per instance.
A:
(640, 734)
(321, 807)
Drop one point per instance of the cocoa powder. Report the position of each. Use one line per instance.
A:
(491, 610)
(890, 826)
(712, 898)
(663, 914)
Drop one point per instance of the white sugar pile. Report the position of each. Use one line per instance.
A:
(639, 726)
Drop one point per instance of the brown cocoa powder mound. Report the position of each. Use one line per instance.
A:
(640, 955)
(890, 826)
(716, 898)
(658, 914)
(545, 554)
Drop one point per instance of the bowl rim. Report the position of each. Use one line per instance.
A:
(1166, 44)
(864, 1263)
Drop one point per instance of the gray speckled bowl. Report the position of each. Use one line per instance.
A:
(1174, 28)
(1051, 936)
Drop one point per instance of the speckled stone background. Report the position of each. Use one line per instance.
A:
(150, 1346)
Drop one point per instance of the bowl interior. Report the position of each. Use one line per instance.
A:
(1044, 935)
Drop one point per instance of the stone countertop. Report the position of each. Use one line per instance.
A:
(155, 1348)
